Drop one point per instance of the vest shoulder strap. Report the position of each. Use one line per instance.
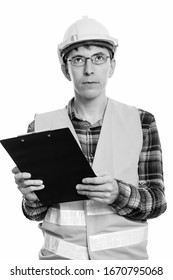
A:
(54, 120)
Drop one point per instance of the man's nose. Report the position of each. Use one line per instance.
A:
(88, 67)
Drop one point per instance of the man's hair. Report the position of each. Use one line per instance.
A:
(87, 46)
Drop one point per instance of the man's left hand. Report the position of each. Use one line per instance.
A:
(102, 188)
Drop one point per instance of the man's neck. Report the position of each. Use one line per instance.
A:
(90, 110)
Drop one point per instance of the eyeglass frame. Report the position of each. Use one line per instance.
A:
(86, 58)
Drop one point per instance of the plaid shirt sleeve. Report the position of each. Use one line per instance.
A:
(148, 200)
(34, 210)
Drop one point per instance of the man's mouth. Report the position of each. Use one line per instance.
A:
(90, 82)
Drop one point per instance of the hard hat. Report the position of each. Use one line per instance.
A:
(86, 30)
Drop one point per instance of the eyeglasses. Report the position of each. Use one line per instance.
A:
(96, 59)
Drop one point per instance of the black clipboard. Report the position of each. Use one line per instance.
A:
(54, 157)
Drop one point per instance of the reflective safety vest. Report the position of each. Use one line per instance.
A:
(86, 229)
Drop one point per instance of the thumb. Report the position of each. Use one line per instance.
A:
(102, 173)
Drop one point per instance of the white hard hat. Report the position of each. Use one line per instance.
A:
(86, 30)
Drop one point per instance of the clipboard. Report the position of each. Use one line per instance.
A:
(54, 157)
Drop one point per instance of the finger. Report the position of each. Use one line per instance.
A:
(91, 195)
(95, 188)
(97, 180)
(30, 189)
(30, 183)
(22, 176)
(31, 197)
(91, 188)
(15, 170)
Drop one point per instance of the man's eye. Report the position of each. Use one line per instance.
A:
(99, 58)
(77, 60)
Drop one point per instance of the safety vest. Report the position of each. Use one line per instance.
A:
(86, 229)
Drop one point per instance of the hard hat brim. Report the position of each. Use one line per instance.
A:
(101, 43)
(88, 42)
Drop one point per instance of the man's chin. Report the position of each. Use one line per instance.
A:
(91, 95)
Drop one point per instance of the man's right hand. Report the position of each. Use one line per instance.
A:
(27, 186)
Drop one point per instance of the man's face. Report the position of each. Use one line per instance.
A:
(90, 80)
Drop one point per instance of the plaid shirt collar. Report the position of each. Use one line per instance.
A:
(74, 115)
(71, 111)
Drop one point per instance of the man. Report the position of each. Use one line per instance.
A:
(122, 145)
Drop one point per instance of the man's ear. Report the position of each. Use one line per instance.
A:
(112, 67)
(65, 71)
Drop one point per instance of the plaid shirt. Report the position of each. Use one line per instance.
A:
(142, 203)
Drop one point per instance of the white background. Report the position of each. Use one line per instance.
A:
(31, 81)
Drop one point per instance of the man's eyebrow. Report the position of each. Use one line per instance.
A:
(99, 53)
(79, 55)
